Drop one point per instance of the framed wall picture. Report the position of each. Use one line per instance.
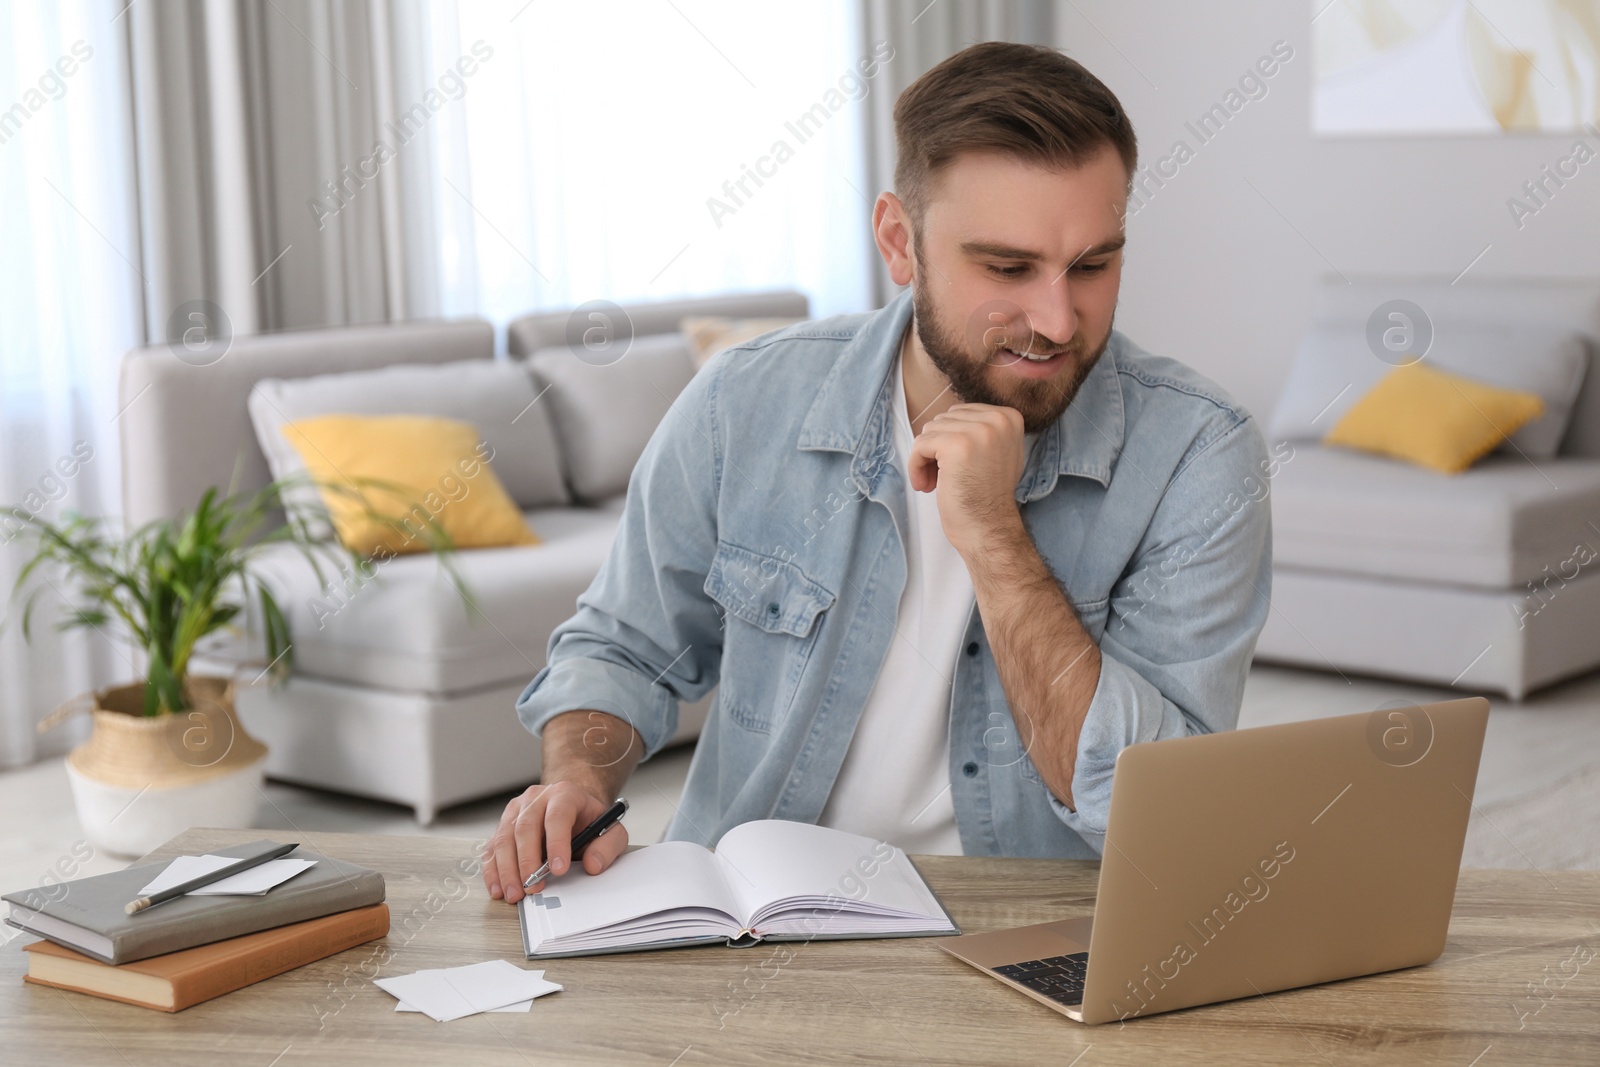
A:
(1398, 67)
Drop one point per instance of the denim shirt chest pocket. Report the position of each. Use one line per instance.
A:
(771, 611)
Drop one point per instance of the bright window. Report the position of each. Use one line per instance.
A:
(584, 153)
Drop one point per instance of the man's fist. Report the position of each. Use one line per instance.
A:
(973, 454)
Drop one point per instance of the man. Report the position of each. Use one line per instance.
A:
(943, 561)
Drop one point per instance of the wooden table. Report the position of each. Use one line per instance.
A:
(867, 1002)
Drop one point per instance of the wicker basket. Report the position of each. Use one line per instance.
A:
(129, 749)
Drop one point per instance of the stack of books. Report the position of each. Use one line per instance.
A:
(195, 947)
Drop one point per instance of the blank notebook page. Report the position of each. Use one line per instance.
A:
(770, 860)
(673, 874)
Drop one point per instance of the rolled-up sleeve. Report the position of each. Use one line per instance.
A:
(646, 635)
(1183, 620)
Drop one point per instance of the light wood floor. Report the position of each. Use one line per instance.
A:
(1537, 801)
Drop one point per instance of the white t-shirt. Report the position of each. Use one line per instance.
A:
(894, 785)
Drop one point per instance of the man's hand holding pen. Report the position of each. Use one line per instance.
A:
(587, 757)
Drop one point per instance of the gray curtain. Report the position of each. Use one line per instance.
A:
(260, 194)
(922, 34)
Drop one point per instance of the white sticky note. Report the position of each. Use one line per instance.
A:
(253, 882)
(182, 869)
(257, 880)
(521, 1005)
(456, 992)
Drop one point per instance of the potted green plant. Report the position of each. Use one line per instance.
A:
(168, 752)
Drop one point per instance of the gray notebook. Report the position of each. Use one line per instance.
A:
(87, 914)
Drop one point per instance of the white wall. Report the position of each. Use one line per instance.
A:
(1215, 276)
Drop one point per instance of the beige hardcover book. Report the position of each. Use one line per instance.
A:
(178, 980)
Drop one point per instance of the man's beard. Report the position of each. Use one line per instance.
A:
(1039, 401)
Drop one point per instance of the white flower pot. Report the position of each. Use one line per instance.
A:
(139, 781)
(132, 822)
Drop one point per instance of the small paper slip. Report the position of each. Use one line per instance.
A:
(253, 882)
(521, 1005)
(450, 993)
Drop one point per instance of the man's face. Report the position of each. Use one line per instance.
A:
(1016, 261)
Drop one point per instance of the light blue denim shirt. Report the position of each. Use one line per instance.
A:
(760, 552)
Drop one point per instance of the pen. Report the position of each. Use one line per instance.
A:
(135, 906)
(607, 819)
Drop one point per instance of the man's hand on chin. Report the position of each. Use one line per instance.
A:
(974, 454)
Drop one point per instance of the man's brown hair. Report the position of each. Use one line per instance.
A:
(1021, 100)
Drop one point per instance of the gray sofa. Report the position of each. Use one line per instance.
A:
(398, 692)
(1483, 580)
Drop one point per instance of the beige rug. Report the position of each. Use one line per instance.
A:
(1556, 827)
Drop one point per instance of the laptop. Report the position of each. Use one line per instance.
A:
(1251, 861)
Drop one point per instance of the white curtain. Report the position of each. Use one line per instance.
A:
(578, 159)
(70, 305)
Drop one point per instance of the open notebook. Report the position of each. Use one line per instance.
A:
(768, 880)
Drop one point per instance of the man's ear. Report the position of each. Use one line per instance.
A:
(891, 230)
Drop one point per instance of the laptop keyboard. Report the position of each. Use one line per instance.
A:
(1058, 977)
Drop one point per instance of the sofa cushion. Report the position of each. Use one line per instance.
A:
(1334, 368)
(184, 429)
(1495, 526)
(606, 412)
(391, 482)
(1433, 418)
(401, 625)
(495, 396)
(1570, 305)
(538, 330)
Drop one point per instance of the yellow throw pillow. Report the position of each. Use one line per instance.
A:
(408, 470)
(1433, 418)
